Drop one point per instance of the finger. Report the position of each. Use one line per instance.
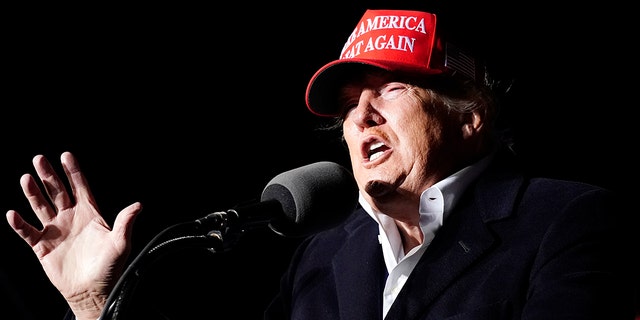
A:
(77, 180)
(36, 198)
(54, 187)
(123, 225)
(27, 232)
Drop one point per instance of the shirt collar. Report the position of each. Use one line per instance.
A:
(451, 187)
(454, 185)
(447, 193)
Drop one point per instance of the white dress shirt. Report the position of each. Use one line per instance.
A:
(435, 204)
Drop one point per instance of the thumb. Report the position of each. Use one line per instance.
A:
(123, 224)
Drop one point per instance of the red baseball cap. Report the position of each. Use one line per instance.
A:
(393, 40)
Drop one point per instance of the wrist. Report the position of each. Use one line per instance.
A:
(87, 306)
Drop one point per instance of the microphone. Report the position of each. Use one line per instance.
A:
(295, 203)
(299, 202)
(313, 197)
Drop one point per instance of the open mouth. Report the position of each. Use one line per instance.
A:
(376, 150)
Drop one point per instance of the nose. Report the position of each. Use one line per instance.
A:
(366, 114)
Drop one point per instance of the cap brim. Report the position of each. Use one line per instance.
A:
(323, 88)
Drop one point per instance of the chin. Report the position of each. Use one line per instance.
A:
(378, 188)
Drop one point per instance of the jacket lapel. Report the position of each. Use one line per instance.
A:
(463, 238)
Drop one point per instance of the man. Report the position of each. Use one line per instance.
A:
(448, 226)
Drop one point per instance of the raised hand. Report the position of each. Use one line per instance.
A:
(82, 256)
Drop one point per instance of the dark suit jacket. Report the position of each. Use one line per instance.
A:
(514, 247)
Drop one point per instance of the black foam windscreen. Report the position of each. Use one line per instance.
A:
(313, 197)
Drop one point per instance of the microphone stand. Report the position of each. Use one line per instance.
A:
(210, 232)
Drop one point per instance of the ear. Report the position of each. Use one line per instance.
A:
(472, 124)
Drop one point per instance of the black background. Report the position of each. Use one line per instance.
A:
(192, 109)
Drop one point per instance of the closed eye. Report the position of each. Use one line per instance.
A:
(392, 90)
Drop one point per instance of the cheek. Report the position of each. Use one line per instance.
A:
(420, 133)
(414, 125)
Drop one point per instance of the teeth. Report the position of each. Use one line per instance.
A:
(372, 153)
(376, 145)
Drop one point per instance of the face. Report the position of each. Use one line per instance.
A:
(399, 142)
